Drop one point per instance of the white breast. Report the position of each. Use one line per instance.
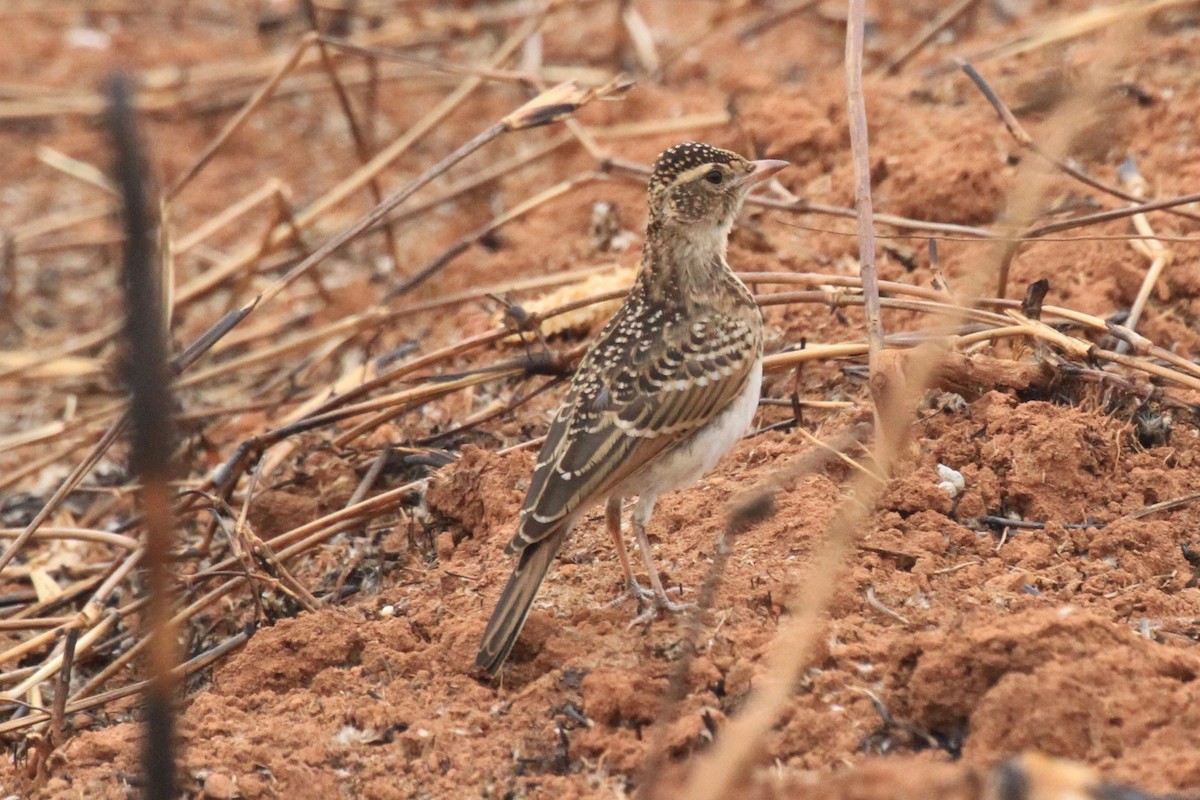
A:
(687, 463)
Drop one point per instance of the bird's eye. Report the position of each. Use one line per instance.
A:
(714, 176)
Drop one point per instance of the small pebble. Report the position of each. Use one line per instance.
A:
(952, 481)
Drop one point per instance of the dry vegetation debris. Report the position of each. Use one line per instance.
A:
(388, 242)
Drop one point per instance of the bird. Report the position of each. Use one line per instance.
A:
(668, 387)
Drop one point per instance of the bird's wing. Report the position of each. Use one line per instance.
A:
(633, 398)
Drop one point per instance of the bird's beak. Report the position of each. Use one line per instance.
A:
(763, 170)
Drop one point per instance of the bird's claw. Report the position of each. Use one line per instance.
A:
(642, 594)
(658, 603)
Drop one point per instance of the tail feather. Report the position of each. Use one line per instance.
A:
(515, 601)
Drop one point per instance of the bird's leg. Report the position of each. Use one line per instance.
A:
(612, 516)
(641, 515)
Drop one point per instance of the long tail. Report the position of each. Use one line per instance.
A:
(515, 601)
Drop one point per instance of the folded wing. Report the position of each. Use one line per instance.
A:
(632, 399)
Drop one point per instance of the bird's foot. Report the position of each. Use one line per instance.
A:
(660, 603)
(642, 594)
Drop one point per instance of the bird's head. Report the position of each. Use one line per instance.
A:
(700, 185)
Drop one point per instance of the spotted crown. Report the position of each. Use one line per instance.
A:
(682, 157)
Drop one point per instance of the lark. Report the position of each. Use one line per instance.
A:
(666, 390)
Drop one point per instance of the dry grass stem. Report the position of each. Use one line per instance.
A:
(898, 388)
(1077, 25)
(857, 113)
(1022, 137)
(346, 379)
(1159, 256)
(944, 19)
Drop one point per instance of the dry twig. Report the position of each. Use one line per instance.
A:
(857, 113)
(151, 433)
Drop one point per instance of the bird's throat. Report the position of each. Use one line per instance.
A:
(680, 262)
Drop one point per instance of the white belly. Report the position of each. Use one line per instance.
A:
(684, 465)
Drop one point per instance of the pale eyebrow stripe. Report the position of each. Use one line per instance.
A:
(695, 172)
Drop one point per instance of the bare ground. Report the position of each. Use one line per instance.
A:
(951, 643)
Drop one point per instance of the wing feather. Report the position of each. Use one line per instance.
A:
(627, 405)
